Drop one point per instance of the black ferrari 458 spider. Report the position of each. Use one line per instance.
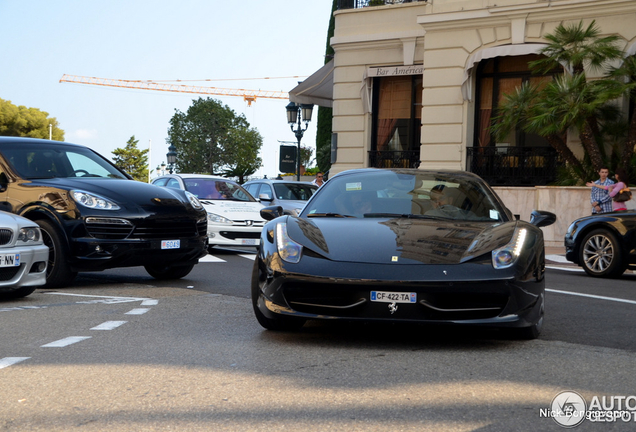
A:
(402, 245)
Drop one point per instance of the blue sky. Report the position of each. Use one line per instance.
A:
(158, 40)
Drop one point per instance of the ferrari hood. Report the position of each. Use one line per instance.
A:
(399, 240)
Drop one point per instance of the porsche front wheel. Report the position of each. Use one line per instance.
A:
(600, 254)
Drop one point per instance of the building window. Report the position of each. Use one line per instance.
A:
(397, 113)
(520, 158)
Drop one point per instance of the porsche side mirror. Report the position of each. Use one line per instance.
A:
(271, 213)
(542, 218)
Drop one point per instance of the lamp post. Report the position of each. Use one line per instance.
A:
(296, 114)
(171, 157)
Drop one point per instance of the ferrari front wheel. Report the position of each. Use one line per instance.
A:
(277, 322)
(600, 254)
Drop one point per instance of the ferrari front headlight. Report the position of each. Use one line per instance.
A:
(506, 256)
(288, 249)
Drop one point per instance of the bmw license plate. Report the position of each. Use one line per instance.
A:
(250, 242)
(9, 260)
(170, 244)
(390, 297)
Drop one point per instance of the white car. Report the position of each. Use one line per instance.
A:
(234, 217)
(23, 256)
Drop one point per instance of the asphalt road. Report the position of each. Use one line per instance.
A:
(120, 351)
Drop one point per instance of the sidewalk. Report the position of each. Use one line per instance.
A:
(556, 255)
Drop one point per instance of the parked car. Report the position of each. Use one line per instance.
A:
(290, 195)
(93, 216)
(23, 256)
(603, 244)
(402, 245)
(233, 214)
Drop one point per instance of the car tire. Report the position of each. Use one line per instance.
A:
(18, 293)
(600, 254)
(278, 322)
(58, 270)
(162, 272)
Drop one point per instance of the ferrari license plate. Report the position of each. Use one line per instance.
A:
(9, 260)
(170, 244)
(390, 297)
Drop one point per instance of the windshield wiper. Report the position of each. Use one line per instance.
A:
(336, 215)
(402, 215)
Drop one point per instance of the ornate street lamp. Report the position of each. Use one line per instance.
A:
(295, 117)
(171, 156)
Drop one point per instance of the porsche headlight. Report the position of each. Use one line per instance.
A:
(506, 256)
(288, 249)
(93, 201)
(194, 201)
(30, 234)
(218, 219)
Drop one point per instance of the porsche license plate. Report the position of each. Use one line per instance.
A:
(390, 297)
(9, 260)
(170, 244)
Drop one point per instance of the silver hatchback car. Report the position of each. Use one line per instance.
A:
(23, 256)
(290, 195)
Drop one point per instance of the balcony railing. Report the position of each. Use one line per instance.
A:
(513, 166)
(356, 4)
(394, 159)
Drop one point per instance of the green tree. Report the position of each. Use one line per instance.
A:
(27, 122)
(209, 138)
(132, 160)
(573, 102)
(242, 159)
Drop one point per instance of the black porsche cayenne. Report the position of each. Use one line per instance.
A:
(94, 216)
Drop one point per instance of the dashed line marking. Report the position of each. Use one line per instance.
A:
(65, 342)
(109, 325)
(150, 302)
(137, 311)
(8, 361)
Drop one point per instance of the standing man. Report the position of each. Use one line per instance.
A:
(318, 180)
(600, 199)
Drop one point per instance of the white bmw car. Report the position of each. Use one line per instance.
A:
(23, 256)
(233, 214)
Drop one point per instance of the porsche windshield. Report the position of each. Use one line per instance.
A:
(35, 161)
(385, 193)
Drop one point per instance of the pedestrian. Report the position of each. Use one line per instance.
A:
(599, 198)
(318, 180)
(622, 182)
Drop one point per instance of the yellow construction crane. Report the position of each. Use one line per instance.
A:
(248, 95)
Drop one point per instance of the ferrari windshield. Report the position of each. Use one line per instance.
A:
(406, 194)
(36, 161)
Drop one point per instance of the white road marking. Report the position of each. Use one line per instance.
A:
(101, 299)
(8, 361)
(593, 296)
(65, 342)
(137, 311)
(557, 258)
(211, 258)
(21, 308)
(570, 269)
(250, 257)
(109, 325)
(150, 302)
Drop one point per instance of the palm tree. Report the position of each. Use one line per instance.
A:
(571, 101)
